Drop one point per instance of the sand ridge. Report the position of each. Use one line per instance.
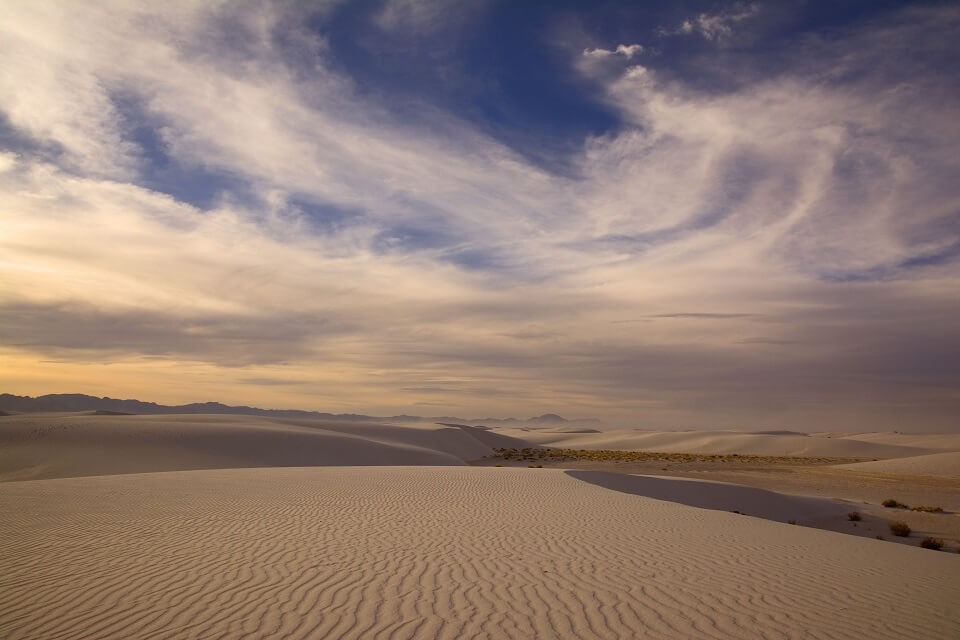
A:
(37, 446)
(437, 552)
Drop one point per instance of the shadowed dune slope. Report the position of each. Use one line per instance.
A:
(720, 496)
(53, 446)
(434, 552)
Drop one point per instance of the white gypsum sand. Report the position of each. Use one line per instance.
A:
(438, 552)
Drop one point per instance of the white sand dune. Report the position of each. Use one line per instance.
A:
(765, 444)
(435, 552)
(38, 446)
(945, 464)
(930, 441)
(54, 446)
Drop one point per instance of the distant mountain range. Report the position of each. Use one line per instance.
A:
(80, 402)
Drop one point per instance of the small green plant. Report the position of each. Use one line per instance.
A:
(854, 516)
(890, 503)
(899, 528)
(927, 509)
(932, 543)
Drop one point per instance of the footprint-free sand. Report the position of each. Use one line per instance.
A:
(419, 548)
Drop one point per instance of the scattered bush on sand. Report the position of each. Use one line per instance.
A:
(854, 516)
(926, 509)
(531, 454)
(932, 543)
(899, 528)
(890, 503)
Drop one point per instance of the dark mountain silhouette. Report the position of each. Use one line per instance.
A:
(549, 418)
(112, 406)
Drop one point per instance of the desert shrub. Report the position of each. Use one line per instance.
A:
(854, 516)
(890, 503)
(791, 522)
(927, 509)
(932, 543)
(899, 528)
(499, 465)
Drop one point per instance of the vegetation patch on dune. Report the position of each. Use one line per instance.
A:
(932, 543)
(617, 455)
(927, 509)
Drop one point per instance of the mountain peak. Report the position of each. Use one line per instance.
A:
(548, 417)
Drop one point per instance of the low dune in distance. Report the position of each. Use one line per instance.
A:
(37, 446)
(751, 443)
(945, 464)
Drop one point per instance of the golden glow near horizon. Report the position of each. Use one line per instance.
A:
(774, 255)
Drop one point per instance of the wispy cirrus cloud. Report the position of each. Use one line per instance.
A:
(809, 219)
(714, 26)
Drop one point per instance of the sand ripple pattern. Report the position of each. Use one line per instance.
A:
(393, 552)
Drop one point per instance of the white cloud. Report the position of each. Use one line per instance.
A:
(627, 51)
(8, 161)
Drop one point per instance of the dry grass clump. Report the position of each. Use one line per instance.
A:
(890, 503)
(926, 509)
(899, 528)
(932, 543)
(854, 516)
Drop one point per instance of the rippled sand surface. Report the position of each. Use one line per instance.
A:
(437, 552)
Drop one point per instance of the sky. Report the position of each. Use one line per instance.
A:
(730, 215)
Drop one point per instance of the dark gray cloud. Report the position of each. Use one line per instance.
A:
(705, 316)
(84, 332)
